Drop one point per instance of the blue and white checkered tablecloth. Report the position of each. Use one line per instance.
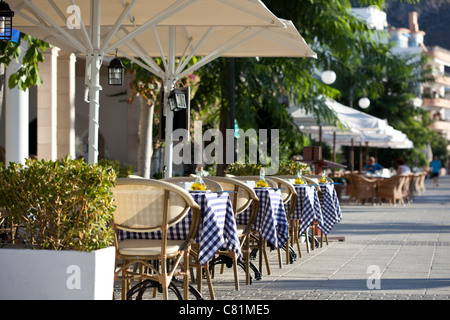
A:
(331, 209)
(271, 220)
(217, 228)
(308, 208)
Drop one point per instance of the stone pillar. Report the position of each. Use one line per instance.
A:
(66, 105)
(16, 120)
(47, 99)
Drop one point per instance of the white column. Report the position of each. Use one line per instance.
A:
(47, 103)
(66, 105)
(16, 120)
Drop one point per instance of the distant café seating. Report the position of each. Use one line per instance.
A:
(391, 189)
(361, 189)
(407, 192)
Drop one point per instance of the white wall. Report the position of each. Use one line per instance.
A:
(118, 119)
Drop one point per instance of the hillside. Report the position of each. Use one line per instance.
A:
(434, 19)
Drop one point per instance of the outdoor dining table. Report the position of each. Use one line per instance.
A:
(217, 227)
(307, 208)
(310, 207)
(331, 209)
(271, 219)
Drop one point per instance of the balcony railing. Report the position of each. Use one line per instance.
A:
(443, 80)
(438, 103)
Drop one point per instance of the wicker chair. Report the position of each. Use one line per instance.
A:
(415, 184)
(407, 187)
(210, 184)
(362, 188)
(422, 187)
(289, 195)
(314, 179)
(242, 198)
(144, 205)
(294, 225)
(261, 244)
(391, 189)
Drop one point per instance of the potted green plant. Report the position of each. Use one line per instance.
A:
(63, 246)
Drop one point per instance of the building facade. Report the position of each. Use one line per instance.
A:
(435, 95)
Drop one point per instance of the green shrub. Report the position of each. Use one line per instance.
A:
(290, 167)
(246, 169)
(285, 168)
(122, 170)
(60, 205)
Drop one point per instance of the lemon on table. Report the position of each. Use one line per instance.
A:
(198, 187)
(262, 184)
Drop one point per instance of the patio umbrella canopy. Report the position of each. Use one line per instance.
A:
(167, 29)
(356, 125)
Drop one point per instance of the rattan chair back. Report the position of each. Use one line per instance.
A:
(210, 184)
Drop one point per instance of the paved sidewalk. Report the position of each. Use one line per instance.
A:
(393, 253)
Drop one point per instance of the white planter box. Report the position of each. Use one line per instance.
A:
(56, 275)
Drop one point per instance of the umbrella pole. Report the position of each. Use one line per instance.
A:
(95, 61)
(168, 152)
(360, 157)
(334, 150)
(168, 86)
(352, 157)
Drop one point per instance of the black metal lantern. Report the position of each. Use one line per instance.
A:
(6, 17)
(116, 72)
(178, 99)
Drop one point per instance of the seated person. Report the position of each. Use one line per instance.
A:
(402, 167)
(371, 166)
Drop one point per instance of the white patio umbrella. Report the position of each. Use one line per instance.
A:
(391, 138)
(356, 125)
(150, 28)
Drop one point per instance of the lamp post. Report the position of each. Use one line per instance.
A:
(6, 17)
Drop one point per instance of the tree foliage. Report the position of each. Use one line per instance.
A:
(344, 44)
(28, 73)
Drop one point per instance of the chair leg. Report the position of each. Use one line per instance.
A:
(291, 239)
(199, 278)
(262, 254)
(321, 239)
(163, 279)
(247, 259)
(235, 271)
(296, 238)
(124, 289)
(186, 277)
(289, 243)
(280, 263)
(307, 240)
(209, 282)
